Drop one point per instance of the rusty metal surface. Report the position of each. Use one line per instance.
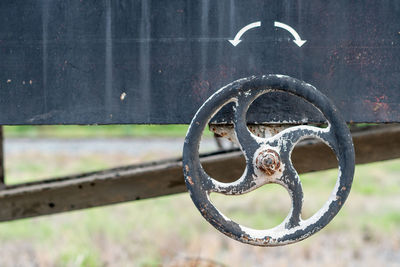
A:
(154, 61)
(261, 130)
(268, 160)
(163, 178)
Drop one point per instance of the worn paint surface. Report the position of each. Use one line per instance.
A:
(72, 61)
(243, 92)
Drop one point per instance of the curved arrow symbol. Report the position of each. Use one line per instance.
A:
(237, 40)
(297, 39)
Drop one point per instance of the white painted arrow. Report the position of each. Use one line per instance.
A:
(237, 40)
(297, 39)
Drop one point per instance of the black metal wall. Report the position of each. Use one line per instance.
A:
(132, 61)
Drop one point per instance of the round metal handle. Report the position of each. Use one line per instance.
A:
(268, 160)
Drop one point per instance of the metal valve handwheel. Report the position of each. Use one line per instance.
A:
(268, 160)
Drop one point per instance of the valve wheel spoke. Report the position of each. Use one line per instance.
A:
(247, 141)
(291, 181)
(288, 138)
(248, 144)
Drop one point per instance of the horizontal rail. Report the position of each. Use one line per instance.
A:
(165, 177)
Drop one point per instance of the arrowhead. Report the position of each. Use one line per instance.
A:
(234, 42)
(299, 42)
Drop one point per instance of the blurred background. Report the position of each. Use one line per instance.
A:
(169, 231)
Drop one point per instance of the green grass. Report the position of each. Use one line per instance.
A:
(237, 207)
(93, 131)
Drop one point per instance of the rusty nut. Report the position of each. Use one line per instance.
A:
(268, 161)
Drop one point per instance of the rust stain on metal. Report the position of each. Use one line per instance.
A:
(200, 88)
(379, 105)
(268, 161)
(190, 180)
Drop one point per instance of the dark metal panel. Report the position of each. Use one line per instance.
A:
(153, 61)
(164, 178)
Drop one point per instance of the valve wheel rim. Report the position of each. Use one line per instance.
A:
(200, 185)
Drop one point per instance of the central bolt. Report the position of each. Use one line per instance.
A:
(268, 161)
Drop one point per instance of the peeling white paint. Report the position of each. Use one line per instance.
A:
(122, 97)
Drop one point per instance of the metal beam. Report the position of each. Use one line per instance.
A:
(163, 178)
